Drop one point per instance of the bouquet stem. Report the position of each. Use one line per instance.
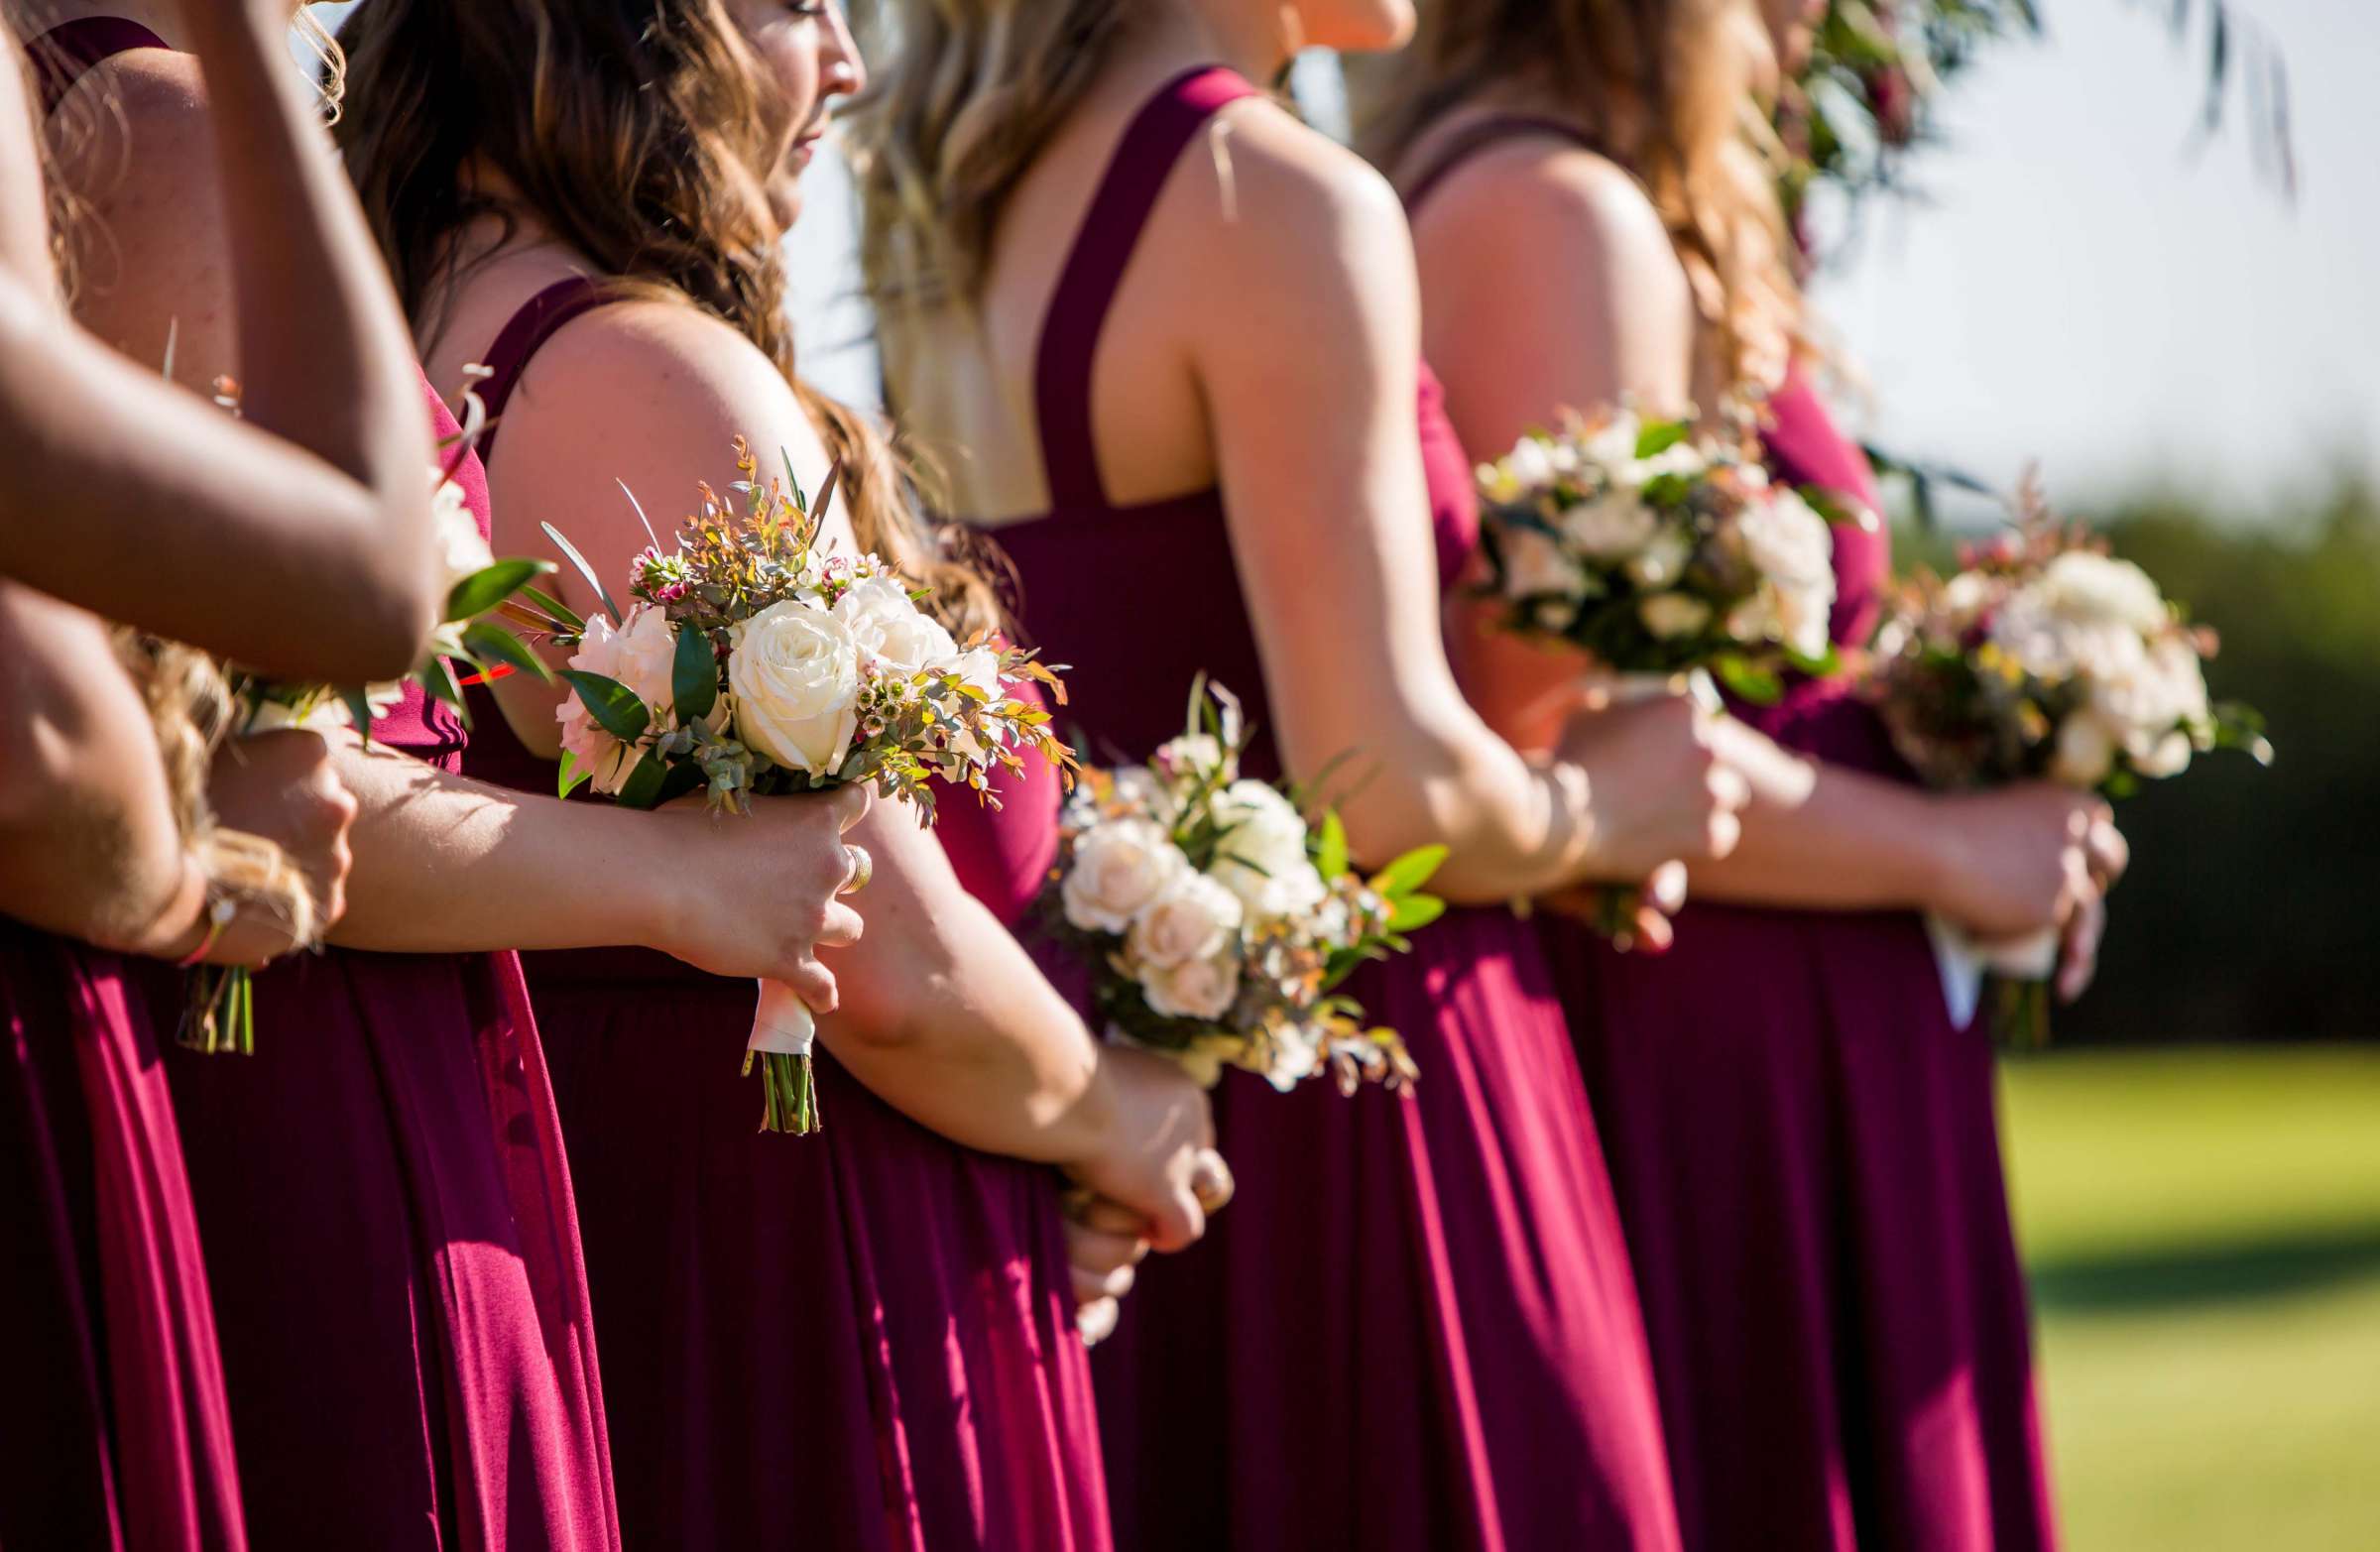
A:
(783, 1034)
(221, 1016)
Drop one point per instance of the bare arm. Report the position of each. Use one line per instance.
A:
(123, 491)
(1311, 386)
(88, 844)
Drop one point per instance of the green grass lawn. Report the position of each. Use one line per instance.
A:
(2203, 1232)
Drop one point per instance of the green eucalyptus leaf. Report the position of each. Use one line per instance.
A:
(613, 706)
(1746, 681)
(643, 788)
(570, 775)
(684, 777)
(1658, 436)
(437, 677)
(1330, 858)
(491, 585)
(693, 675)
(1414, 911)
(488, 643)
(561, 614)
(359, 708)
(1409, 873)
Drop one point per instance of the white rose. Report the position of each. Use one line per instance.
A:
(1613, 445)
(2095, 590)
(1261, 855)
(2084, 754)
(1194, 920)
(1966, 597)
(1138, 790)
(1194, 989)
(1672, 615)
(1295, 1049)
(796, 673)
(1802, 614)
(1534, 563)
(2053, 646)
(1530, 463)
(890, 627)
(1662, 561)
(979, 667)
(1120, 867)
(1189, 757)
(2152, 704)
(2161, 757)
(1612, 527)
(1788, 540)
(461, 549)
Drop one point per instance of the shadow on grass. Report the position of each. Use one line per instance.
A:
(2204, 1273)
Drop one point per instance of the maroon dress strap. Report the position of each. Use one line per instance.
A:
(1480, 134)
(1086, 287)
(67, 53)
(523, 334)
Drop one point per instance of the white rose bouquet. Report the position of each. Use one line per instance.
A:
(466, 648)
(752, 662)
(2044, 658)
(1217, 923)
(1660, 553)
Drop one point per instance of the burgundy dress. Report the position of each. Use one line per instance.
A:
(1808, 1165)
(862, 1339)
(1414, 1327)
(115, 1434)
(392, 1244)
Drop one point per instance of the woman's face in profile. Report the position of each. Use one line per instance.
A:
(807, 60)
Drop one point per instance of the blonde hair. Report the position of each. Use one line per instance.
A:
(190, 709)
(635, 131)
(1664, 88)
(951, 124)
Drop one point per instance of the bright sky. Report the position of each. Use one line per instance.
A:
(2087, 291)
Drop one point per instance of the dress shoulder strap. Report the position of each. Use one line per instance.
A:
(1481, 134)
(1102, 246)
(68, 52)
(523, 334)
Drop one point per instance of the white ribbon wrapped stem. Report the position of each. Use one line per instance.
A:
(1962, 961)
(783, 1024)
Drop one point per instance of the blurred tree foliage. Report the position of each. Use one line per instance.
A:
(2249, 911)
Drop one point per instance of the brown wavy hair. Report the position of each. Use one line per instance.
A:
(1664, 88)
(632, 131)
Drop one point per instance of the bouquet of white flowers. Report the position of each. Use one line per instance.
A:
(1660, 553)
(754, 662)
(2044, 657)
(221, 1016)
(1217, 923)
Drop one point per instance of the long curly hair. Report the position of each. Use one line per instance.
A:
(1664, 87)
(634, 131)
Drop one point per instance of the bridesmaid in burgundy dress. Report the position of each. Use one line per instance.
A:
(1416, 1328)
(865, 1338)
(391, 1151)
(117, 1433)
(1802, 1145)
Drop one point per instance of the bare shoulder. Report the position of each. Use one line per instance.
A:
(650, 394)
(1269, 188)
(663, 377)
(135, 130)
(1276, 227)
(1536, 194)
